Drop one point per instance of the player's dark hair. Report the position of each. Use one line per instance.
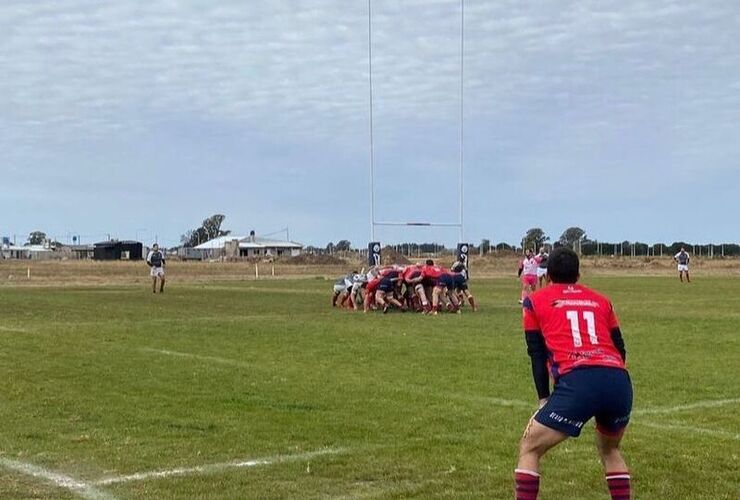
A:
(430, 262)
(563, 266)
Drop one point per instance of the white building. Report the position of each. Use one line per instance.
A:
(248, 246)
(34, 252)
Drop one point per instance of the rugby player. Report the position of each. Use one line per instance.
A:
(528, 274)
(414, 294)
(541, 267)
(682, 259)
(342, 287)
(574, 331)
(155, 260)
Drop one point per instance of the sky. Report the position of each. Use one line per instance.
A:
(138, 119)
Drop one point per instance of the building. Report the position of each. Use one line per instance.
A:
(118, 250)
(247, 246)
(32, 252)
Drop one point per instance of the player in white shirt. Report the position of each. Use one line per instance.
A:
(682, 258)
(528, 274)
(155, 259)
(541, 267)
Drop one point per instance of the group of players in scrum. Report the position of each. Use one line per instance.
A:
(406, 288)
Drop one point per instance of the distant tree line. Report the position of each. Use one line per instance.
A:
(573, 237)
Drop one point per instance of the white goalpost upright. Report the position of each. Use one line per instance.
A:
(374, 222)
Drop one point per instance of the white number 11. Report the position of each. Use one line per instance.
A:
(575, 327)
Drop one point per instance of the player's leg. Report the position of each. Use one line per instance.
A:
(161, 282)
(380, 296)
(471, 300)
(688, 280)
(436, 294)
(615, 468)
(419, 289)
(611, 422)
(452, 295)
(536, 441)
(154, 284)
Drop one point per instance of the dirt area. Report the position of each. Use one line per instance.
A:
(87, 272)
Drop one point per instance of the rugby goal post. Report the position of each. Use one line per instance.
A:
(374, 247)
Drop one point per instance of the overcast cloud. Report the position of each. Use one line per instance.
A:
(142, 118)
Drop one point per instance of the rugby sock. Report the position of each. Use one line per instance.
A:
(471, 299)
(619, 485)
(527, 484)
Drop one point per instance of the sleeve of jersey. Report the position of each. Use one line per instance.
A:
(616, 334)
(537, 350)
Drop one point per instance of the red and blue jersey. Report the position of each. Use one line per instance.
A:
(576, 324)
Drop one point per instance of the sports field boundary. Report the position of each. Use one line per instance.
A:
(77, 486)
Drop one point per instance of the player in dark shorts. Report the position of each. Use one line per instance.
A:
(574, 332)
(461, 285)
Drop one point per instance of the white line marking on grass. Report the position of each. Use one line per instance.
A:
(215, 468)
(693, 430)
(211, 359)
(14, 329)
(467, 397)
(690, 406)
(81, 488)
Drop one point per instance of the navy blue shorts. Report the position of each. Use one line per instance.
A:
(600, 392)
(386, 285)
(445, 281)
(460, 283)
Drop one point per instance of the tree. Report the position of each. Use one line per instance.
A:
(37, 238)
(343, 246)
(572, 236)
(210, 229)
(485, 246)
(535, 239)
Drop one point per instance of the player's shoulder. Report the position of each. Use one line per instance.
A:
(594, 295)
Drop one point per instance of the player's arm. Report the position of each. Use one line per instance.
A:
(149, 259)
(538, 355)
(537, 350)
(618, 342)
(521, 268)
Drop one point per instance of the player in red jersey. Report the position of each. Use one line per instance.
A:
(574, 332)
(415, 297)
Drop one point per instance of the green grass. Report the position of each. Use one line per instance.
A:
(99, 382)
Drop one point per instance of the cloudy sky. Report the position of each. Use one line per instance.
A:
(141, 118)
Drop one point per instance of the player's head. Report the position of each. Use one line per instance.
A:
(542, 251)
(683, 249)
(563, 266)
(457, 267)
(155, 247)
(528, 253)
(430, 262)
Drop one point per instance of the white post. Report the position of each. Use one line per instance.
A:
(28, 273)
(273, 269)
(256, 271)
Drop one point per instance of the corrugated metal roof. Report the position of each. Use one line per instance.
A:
(246, 242)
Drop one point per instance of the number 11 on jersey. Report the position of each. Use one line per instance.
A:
(575, 327)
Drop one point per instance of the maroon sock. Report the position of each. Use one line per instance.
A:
(527, 484)
(619, 485)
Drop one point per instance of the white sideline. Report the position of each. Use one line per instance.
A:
(81, 488)
(685, 407)
(14, 329)
(212, 359)
(214, 468)
(693, 430)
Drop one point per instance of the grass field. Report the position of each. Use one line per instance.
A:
(261, 390)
